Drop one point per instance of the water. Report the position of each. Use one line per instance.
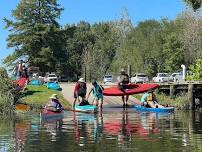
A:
(113, 130)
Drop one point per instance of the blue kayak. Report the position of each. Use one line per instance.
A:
(35, 82)
(53, 85)
(86, 108)
(145, 109)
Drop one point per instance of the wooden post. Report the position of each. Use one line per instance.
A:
(85, 73)
(191, 96)
(129, 71)
(172, 91)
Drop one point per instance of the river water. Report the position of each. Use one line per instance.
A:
(112, 130)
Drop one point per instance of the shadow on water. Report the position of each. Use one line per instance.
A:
(113, 129)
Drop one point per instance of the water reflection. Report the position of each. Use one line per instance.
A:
(110, 130)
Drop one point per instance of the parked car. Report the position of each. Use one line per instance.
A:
(52, 77)
(139, 78)
(63, 78)
(162, 77)
(108, 78)
(177, 76)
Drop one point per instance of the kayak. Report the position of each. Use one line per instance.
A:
(53, 85)
(35, 82)
(80, 116)
(131, 89)
(86, 108)
(22, 82)
(145, 109)
(47, 115)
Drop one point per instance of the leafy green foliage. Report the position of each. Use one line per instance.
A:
(105, 47)
(196, 71)
(33, 32)
(6, 97)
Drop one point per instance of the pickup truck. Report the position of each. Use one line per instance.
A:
(162, 77)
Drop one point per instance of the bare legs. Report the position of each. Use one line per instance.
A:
(154, 105)
(125, 100)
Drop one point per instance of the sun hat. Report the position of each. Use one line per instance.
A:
(81, 80)
(122, 70)
(54, 96)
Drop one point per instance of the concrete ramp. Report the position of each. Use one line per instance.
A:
(68, 92)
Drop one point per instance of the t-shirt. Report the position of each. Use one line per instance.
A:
(124, 78)
(97, 91)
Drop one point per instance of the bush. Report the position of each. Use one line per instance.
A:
(6, 97)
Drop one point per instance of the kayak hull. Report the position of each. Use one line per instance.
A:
(132, 89)
(145, 109)
(86, 108)
(49, 115)
(53, 85)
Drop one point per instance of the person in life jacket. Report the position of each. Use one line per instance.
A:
(97, 93)
(123, 81)
(149, 100)
(79, 91)
(54, 104)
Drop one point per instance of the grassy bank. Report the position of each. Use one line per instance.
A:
(179, 102)
(38, 96)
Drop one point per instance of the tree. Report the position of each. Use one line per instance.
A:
(195, 4)
(33, 32)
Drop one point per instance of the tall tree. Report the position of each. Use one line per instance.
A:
(33, 32)
(195, 4)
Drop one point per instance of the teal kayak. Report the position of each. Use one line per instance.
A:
(35, 82)
(53, 85)
(145, 109)
(86, 108)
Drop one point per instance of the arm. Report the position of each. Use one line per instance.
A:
(89, 93)
(76, 89)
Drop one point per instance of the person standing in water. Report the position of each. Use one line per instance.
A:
(123, 81)
(97, 92)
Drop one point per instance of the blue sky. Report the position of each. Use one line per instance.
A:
(98, 10)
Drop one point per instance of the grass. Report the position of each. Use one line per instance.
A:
(38, 96)
(179, 102)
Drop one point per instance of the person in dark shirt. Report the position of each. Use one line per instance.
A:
(123, 81)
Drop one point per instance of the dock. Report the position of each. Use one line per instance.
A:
(68, 91)
(192, 88)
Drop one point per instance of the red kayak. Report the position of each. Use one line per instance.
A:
(132, 89)
(47, 115)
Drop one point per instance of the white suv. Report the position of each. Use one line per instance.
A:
(52, 77)
(162, 77)
(139, 78)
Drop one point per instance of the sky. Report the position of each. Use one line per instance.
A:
(97, 10)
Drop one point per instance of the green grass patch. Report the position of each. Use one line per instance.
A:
(38, 96)
(179, 102)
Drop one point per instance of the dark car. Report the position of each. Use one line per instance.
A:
(63, 78)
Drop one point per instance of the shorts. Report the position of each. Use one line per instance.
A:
(80, 95)
(99, 97)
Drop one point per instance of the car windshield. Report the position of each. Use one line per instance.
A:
(108, 76)
(51, 75)
(164, 75)
(142, 75)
